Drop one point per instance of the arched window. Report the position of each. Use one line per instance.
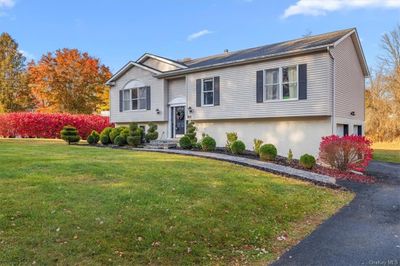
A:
(135, 96)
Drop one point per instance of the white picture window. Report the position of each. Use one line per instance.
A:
(127, 100)
(281, 83)
(208, 92)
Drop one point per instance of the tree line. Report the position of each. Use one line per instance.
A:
(66, 81)
(383, 93)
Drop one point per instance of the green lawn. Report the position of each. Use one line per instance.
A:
(75, 204)
(387, 152)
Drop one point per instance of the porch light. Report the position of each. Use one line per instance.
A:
(190, 109)
(353, 113)
(158, 111)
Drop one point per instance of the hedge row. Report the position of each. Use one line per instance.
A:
(38, 125)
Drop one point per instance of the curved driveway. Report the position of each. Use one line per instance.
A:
(366, 232)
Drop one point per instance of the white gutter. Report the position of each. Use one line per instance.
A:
(333, 119)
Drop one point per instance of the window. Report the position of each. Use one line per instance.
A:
(126, 100)
(272, 84)
(281, 83)
(345, 130)
(208, 92)
(357, 130)
(135, 99)
(139, 98)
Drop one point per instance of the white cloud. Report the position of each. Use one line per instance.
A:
(27, 55)
(198, 34)
(318, 7)
(7, 3)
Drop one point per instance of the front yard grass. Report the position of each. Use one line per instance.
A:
(65, 204)
(387, 151)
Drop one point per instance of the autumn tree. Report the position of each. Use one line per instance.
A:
(14, 91)
(383, 95)
(69, 81)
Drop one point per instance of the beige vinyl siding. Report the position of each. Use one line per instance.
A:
(159, 65)
(349, 82)
(176, 89)
(238, 91)
(157, 98)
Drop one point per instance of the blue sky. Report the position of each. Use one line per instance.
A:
(121, 30)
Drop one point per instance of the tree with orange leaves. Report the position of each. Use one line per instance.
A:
(69, 81)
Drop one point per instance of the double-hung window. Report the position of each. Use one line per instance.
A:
(281, 83)
(208, 92)
(135, 99)
(139, 98)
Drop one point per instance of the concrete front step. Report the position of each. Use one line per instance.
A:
(162, 144)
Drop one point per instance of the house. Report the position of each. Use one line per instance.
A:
(290, 93)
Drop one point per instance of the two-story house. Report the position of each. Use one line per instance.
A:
(290, 93)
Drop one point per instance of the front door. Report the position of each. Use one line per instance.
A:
(179, 120)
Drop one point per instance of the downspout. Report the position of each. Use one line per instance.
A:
(333, 119)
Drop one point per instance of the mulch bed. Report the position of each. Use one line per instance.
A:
(319, 169)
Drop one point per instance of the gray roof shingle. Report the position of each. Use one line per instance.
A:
(310, 42)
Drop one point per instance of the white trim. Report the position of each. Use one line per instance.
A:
(171, 115)
(202, 92)
(165, 60)
(177, 101)
(126, 67)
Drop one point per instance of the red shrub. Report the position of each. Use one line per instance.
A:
(38, 125)
(346, 153)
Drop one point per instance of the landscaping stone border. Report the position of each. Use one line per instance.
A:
(264, 166)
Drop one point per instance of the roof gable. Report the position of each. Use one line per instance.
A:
(128, 66)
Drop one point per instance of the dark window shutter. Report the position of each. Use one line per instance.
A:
(148, 97)
(259, 86)
(121, 101)
(216, 91)
(303, 82)
(198, 92)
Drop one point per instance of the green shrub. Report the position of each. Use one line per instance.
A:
(191, 133)
(290, 156)
(91, 140)
(237, 147)
(104, 139)
(96, 136)
(114, 133)
(307, 161)
(106, 131)
(185, 143)
(257, 145)
(208, 144)
(125, 133)
(119, 140)
(135, 131)
(70, 134)
(152, 133)
(268, 152)
(134, 140)
(230, 138)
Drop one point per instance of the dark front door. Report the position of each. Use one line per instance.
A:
(180, 120)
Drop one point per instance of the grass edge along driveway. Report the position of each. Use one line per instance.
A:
(65, 204)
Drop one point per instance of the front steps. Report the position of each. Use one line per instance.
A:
(162, 144)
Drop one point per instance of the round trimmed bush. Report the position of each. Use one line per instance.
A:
(307, 161)
(185, 143)
(114, 133)
(134, 140)
(208, 144)
(119, 140)
(268, 152)
(91, 140)
(104, 139)
(237, 147)
(95, 135)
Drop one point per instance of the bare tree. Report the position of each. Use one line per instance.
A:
(391, 47)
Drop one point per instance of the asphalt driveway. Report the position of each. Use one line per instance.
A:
(367, 232)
